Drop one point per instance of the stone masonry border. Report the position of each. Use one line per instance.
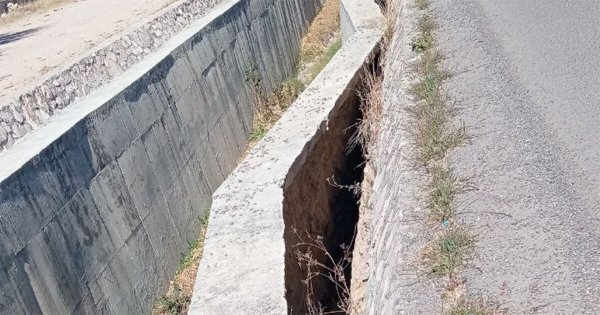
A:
(57, 90)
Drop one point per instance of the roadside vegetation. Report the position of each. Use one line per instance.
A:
(319, 44)
(437, 132)
(177, 299)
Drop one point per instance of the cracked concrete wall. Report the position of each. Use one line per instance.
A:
(96, 206)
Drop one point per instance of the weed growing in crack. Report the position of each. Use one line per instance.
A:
(449, 250)
(444, 187)
(324, 59)
(328, 268)
(258, 133)
(178, 297)
(425, 40)
(190, 256)
(435, 135)
(475, 307)
(268, 108)
(175, 303)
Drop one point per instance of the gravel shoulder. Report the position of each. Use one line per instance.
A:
(525, 83)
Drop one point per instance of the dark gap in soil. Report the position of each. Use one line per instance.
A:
(319, 202)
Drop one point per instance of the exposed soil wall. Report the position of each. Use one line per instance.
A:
(314, 205)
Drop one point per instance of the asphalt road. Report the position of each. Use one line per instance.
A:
(527, 84)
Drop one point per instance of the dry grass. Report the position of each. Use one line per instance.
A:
(475, 307)
(329, 268)
(24, 10)
(268, 109)
(179, 295)
(390, 16)
(371, 92)
(319, 35)
(320, 43)
(448, 251)
(371, 107)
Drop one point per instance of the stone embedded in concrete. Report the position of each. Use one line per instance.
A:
(58, 90)
(98, 204)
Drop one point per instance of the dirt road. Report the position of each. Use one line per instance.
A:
(34, 45)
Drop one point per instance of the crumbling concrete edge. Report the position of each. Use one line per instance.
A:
(243, 266)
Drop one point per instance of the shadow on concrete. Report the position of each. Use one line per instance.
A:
(6, 38)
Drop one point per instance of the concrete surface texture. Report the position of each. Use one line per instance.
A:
(526, 80)
(359, 17)
(243, 267)
(97, 205)
(52, 58)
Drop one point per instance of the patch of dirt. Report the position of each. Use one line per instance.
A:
(179, 295)
(48, 34)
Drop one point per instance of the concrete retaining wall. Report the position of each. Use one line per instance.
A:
(243, 268)
(32, 108)
(97, 205)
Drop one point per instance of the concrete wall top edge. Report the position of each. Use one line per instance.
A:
(362, 16)
(242, 269)
(31, 145)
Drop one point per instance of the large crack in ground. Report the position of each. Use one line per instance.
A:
(320, 204)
